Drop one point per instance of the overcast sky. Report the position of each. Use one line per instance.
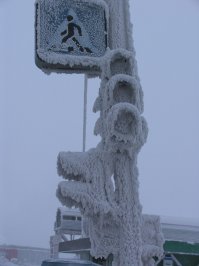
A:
(41, 115)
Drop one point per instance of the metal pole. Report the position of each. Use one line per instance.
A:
(85, 111)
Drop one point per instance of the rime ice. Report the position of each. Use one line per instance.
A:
(103, 182)
(71, 34)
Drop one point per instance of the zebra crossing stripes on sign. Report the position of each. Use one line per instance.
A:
(67, 29)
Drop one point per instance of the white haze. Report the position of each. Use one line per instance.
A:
(42, 115)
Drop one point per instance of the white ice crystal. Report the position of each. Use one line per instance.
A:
(85, 46)
(123, 88)
(103, 182)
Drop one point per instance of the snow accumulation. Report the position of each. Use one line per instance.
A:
(100, 34)
(112, 210)
(180, 221)
(180, 229)
(84, 24)
(14, 262)
(5, 262)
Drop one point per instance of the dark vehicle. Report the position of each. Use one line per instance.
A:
(67, 262)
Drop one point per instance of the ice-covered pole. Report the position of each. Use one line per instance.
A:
(125, 158)
(117, 34)
(125, 133)
(104, 181)
(120, 25)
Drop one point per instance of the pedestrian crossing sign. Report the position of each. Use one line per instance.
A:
(71, 35)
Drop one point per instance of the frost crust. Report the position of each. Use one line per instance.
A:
(103, 182)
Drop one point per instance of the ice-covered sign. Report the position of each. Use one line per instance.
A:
(71, 35)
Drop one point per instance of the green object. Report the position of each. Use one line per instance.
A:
(181, 247)
(186, 253)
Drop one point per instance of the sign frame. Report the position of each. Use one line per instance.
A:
(64, 62)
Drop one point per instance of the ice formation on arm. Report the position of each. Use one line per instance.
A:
(112, 210)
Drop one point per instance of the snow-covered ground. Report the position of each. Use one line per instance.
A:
(5, 262)
(14, 262)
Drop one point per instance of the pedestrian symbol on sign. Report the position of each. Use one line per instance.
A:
(72, 37)
(70, 33)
